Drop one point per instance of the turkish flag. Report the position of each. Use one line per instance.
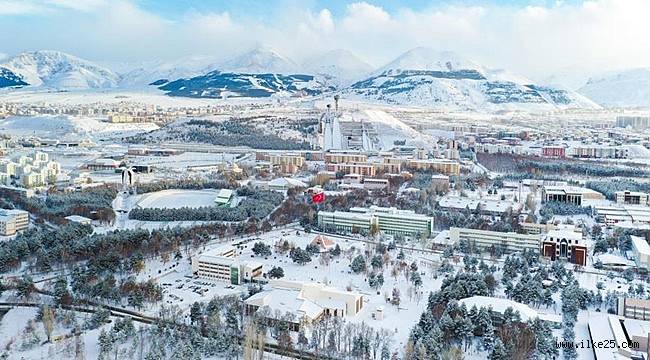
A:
(318, 198)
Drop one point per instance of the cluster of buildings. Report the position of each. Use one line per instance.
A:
(29, 171)
(556, 244)
(122, 112)
(624, 334)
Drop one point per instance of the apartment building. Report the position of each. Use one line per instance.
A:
(287, 163)
(364, 169)
(12, 221)
(339, 157)
(443, 166)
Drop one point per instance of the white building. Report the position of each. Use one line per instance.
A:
(224, 196)
(12, 221)
(215, 264)
(221, 264)
(485, 239)
(611, 215)
(308, 301)
(641, 251)
(388, 220)
(631, 197)
(500, 305)
(79, 219)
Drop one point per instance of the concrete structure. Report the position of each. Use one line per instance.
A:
(566, 244)
(631, 198)
(641, 253)
(388, 220)
(12, 221)
(569, 194)
(224, 197)
(307, 301)
(485, 239)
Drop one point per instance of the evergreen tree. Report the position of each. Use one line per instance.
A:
(499, 351)
(358, 264)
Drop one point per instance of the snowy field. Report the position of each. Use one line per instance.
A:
(69, 127)
(175, 199)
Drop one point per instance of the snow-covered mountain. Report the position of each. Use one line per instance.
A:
(629, 88)
(425, 77)
(218, 84)
(341, 65)
(261, 60)
(59, 70)
(9, 79)
(146, 73)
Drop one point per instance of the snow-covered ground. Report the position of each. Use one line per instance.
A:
(175, 199)
(69, 127)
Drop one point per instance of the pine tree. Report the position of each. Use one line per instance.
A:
(488, 337)
(498, 351)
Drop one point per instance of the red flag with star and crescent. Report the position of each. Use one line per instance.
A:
(318, 197)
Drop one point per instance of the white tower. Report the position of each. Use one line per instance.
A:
(331, 130)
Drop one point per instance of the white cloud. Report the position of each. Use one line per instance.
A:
(533, 40)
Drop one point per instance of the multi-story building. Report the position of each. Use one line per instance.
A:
(486, 239)
(633, 308)
(12, 221)
(388, 220)
(287, 163)
(215, 264)
(443, 166)
(569, 194)
(566, 244)
(554, 151)
(364, 169)
(631, 197)
(600, 152)
(641, 253)
(339, 157)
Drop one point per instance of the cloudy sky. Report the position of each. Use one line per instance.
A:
(533, 37)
